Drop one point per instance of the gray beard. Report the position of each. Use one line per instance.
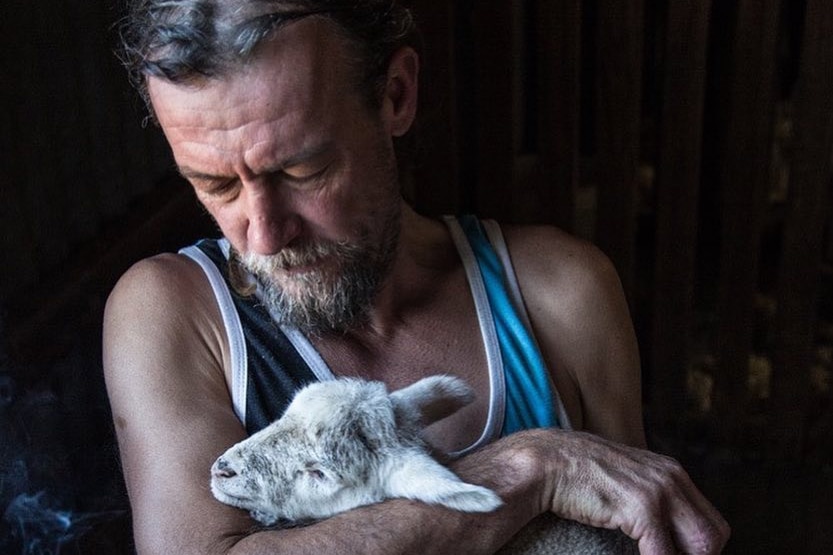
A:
(325, 300)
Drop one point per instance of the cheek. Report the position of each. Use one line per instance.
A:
(363, 194)
(327, 212)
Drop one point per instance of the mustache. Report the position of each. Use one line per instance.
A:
(292, 257)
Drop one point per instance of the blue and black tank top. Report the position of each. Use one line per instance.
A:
(270, 361)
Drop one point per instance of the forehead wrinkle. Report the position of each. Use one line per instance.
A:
(259, 145)
(264, 116)
(296, 70)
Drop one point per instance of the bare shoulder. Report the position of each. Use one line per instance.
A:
(157, 279)
(581, 319)
(555, 267)
(161, 310)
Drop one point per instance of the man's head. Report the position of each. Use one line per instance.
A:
(288, 143)
(184, 40)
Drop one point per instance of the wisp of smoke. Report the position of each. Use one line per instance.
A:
(59, 482)
(40, 527)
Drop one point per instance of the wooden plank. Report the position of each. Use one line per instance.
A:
(436, 189)
(559, 63)
(17, 242)
(84, 167)
(164, 220)
(744, 184)
(803, 240)
(33, 158)
(678, 182)
(105, 114)
(618, 117)
(493, 33)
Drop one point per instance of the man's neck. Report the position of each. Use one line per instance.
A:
(425, 256)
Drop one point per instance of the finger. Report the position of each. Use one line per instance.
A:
(696, 529)
(671, 509)
(657, 541)
(700, 535)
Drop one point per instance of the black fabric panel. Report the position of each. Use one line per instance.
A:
(276, 371)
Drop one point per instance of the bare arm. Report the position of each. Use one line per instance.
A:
(164, 355)
(607, 479)
(581, 320)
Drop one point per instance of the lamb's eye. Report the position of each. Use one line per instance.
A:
(314, 472)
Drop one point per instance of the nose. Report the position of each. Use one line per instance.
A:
(272, 221)
(222, 469)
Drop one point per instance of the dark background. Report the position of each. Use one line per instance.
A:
(690, 140)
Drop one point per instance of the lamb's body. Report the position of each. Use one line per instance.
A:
(347, 443)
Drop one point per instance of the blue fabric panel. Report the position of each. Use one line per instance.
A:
(529, 399)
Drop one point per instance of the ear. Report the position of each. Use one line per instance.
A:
(418, 476)
(399, 102)
(431, 399)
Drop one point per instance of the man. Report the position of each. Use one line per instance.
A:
(283, 116)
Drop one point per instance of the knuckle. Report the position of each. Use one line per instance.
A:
(672, 467)
(648, 502)
(671, 476)
(713, 537)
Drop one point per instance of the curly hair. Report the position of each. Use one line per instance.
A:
(182, 40)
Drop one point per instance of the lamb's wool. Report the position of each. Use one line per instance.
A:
(346, 443)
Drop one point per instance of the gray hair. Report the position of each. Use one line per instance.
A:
(184, 40)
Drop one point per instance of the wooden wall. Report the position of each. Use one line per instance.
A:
(86, 186)
(74, 150)
(690, 140)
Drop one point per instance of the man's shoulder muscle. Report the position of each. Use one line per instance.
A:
(581, 319)
(556, 267)
(162, 309)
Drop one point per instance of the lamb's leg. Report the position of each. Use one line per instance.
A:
(431, 399)
(415, 475)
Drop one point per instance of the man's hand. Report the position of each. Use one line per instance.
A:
(605, 484)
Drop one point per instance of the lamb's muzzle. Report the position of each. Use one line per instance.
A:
(221, 469)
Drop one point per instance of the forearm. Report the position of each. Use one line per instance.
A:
(393, 527)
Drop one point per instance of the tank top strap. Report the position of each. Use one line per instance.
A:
(530, 398)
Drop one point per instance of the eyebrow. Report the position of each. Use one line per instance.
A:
(294, 160)
(307, 154)
(189, 173)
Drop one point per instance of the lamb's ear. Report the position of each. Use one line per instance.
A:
(431, 399)
(418, 476)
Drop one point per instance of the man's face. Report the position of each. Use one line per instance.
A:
(297, 171)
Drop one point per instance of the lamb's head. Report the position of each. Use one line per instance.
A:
(345, 443)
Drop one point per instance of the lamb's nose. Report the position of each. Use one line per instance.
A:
(223, 469)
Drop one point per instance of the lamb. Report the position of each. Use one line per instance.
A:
(346, 443)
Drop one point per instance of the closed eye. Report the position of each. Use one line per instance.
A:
(308, 166)
(314, 471)
(304, 177)
(225, 190)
